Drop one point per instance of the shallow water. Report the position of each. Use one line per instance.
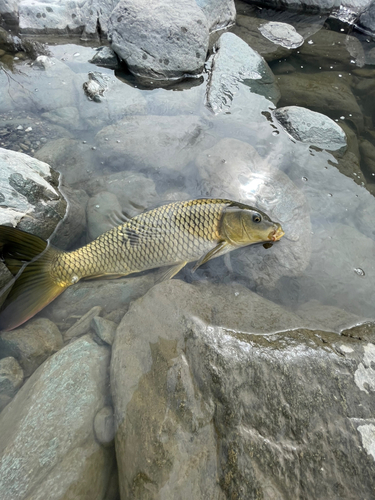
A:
(326, 256)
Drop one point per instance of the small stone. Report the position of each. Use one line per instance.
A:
(104, 426)
(11, 376)
(104, 329)
(82, 326)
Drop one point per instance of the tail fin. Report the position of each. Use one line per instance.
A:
(28, 258)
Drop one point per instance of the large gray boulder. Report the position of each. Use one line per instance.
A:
(160, 40)
(213, 409)
(219, 13)
(234, 64)
(42, 452)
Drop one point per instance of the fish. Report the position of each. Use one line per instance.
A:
(169, 236)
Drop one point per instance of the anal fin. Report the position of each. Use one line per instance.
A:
(171, 271)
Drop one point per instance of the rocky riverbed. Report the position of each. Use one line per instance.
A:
(254, 376)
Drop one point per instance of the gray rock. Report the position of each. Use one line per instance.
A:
(234, 170)
(326, 93)
(4, 400)
(111, 295)
(9, 12)
(105, 57)
(83, 325)
(104, 329)
(311, 127)
(42, 452)
(65, 17)
(282, 34)
(134, 191)
(29, 194)
(100, 210)
(67, 117)
(168, 142)
(219, 13)
(104, 426)
(11, 376)
(235, 63)
(31, 344)
(223, 412)
(367, 18)
(161, 41)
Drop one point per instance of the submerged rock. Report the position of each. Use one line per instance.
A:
(221, 411)
(42, 452)
(160, 41)
(367, 18)
(31, 344)
(29, 194)
(235, 63)
(282, 34)
(311, 127)
(105, 57)
(168, 142)
(11, 378)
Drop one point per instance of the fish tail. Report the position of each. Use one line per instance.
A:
(29, 259)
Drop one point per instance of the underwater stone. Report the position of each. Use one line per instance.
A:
(82, 326)
(282, 34)
(32, 343)
(104, 426)
(104, 329)
(313, 128)
(11, 376)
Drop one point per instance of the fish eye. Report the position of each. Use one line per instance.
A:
(257, 218)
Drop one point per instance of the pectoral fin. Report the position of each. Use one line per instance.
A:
(210, 255)
(171, 271)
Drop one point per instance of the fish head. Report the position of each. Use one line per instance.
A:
(245, 225)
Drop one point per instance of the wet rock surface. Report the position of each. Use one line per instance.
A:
(11, 378)
(282, 34)
(63, 456)
(31, 344)
(311, 127)
(234, 63)
(254, 411)
(177, 42)
(29, 194)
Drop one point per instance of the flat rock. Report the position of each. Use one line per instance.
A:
(311, 127)
(233, 64)
(104, 426)
(39, 450)
(83, 325)
(222, 411)
(162, 40)
(31, 344)
(168, 142)
(282, 34)
(29, 194)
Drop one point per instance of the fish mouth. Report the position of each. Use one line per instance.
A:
(276, 234)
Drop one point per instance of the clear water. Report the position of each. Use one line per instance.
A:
(324, 267)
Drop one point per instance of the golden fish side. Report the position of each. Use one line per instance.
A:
(170, 235)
